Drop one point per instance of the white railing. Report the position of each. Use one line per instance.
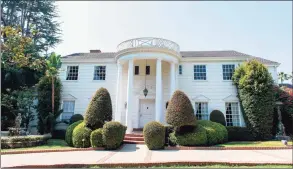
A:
(149, 42)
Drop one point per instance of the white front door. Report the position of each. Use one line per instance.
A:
(147, 111)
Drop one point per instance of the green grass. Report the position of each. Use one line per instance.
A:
(52, 144)
(254, 144)
(208, 166)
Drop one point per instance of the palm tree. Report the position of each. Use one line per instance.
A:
(53, 64)
(283, 76)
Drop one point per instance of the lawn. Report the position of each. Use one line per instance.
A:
(207, 166)
(254, 144)
(52, 144)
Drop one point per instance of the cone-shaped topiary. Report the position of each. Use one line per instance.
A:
(218, 116)
(69, 131)
(99, 110)
(180, 111)
(81, 136)
(154, 135)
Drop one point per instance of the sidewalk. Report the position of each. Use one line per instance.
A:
(132, 153)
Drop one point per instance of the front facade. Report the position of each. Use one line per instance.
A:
(158, 66)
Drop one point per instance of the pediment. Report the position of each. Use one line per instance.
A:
(201, 98)
(231, 98)
(68, 97)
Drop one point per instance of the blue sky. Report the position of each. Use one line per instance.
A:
(261, 29)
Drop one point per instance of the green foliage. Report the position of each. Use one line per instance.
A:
(46, 119)
(216, 133)
(168, 130)
(180, 111)
(81, 136)
(154, 135)
(99, 110)
(218, 116)
(197, 137)
(69, 132)
(113, 134)
(239, 134)
(97, 138)
(255, 90)
(75, 118)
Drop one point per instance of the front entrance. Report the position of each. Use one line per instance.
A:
(146, 111)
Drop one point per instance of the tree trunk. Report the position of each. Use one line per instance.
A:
(53, 94)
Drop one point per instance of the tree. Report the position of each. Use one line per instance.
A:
(283, 76)
(255, 91)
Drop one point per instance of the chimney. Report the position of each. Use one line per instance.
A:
(95, 51)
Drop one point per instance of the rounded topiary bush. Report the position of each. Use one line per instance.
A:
(75, 118)
(216, 133)
(195, 138)
(180, 111)
(97, 138)
(113, 134)
(218, 117)
(223, 137)
(69, 132)
(154, 135)
(99, 110)
(81, 136)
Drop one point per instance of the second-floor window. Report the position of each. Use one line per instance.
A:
(228, 71)
(100, 73)
(180, 69)
(201, 111)
(72, 73)
(200, 72)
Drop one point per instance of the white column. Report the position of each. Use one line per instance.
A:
(129, 109)
(172, 79)
(118, 93)
(159, 98)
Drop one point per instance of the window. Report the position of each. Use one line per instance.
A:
(232, 114)
(201, 110)
(147, 70)
(68, 109)
(72, 73)
(180, 69)
(200, 72)
(228, 71)
(136, 70)
(100, 73)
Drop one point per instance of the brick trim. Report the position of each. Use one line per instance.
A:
(227, 148)
(147, 164)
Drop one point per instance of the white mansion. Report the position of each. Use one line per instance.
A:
(158, 66)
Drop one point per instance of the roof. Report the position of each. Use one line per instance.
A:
(184, 54)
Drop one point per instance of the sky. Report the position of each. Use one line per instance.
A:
(262, 29)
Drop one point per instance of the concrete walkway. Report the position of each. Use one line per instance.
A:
(132, 153)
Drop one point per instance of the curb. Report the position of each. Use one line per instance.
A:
(228, 148)
(188, 163)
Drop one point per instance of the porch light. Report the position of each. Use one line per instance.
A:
(145, 92)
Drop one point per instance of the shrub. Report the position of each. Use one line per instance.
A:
(99, 110)
(154, 135)
(195, 138)
(218, 116)
(223, 137)
(69, 131)
(211, 130)
(239, 134)
(24, 141)
(168, 130)
(180, 111)
(113, 134)
(255, 90)
(97, 138)
(75, 118)
(81, 136)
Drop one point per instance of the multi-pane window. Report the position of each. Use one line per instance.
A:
(100, 73)
(136, 70)
(180, 69)
(228, 71)
(68, 110)
(232, 114)
(201, 110)
(200, 72)
(72, 73)
(147, 70)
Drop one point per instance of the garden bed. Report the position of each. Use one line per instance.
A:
(23, 141)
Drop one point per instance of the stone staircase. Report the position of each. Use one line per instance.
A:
(134, 138)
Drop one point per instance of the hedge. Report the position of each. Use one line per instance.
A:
(81, 136)
(75, 118)
(239, 134)
(218, 116)
(99, 110)
(97, 138)
(69, 131)
(168, 130)
(113, 134)
(180, 111)
(197, 137)
(24, 141)
(154, 135)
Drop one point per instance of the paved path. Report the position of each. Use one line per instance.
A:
(132, 153)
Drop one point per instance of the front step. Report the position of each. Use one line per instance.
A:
(133, 138)
(132, 142)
